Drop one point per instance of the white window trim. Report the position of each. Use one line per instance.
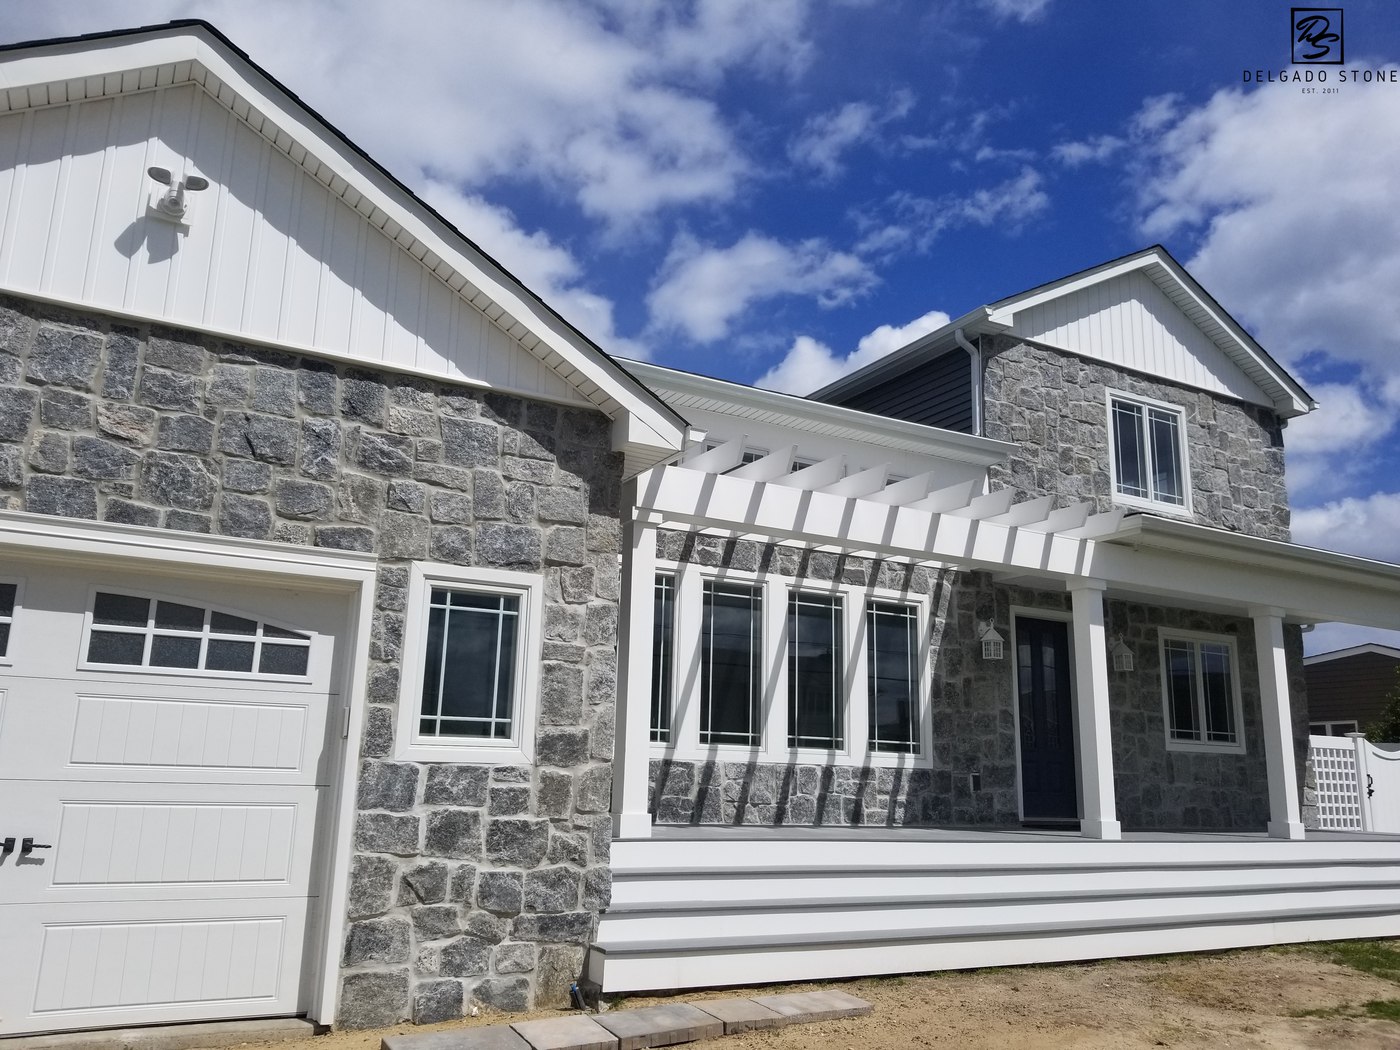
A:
(1164, 634)
(1182, 510)
(15, 621)
(254, 676)
(529, 588)
(685, 686)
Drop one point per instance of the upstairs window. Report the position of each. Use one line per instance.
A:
(1148, 452)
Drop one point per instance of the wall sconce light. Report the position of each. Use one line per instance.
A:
(993, 645)
(1122, 656)
(171, 204)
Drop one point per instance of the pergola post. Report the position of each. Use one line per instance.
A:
(1285, 819)
(1100, 819)
(631, 818)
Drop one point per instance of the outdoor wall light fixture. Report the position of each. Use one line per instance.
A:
(171, 204)
(1122, 656)
(993, 645)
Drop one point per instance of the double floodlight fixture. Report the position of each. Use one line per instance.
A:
(172, 204)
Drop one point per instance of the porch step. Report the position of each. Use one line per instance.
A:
(705, 912)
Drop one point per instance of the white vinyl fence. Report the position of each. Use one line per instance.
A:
(1358, 784)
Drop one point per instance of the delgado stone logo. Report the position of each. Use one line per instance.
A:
(1317, 36)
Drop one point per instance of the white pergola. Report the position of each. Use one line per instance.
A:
(915, 519)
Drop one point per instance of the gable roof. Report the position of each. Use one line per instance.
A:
(93, 66)
(1242, 357)
(1366, 648)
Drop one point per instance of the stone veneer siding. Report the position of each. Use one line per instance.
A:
(974, 725)
(469, 883)
(1053, 406)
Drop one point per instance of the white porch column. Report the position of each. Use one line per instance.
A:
(630, 758)
(1285, 820)
(1100, 820)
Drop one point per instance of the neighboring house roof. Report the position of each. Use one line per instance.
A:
(1147, 292)
(96, 66)
(1368, 648)
(687, 390)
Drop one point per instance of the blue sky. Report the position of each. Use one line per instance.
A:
(777, 191)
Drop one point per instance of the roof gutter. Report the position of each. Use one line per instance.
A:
(974, 352)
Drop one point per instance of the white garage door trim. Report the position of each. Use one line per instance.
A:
(352, 574)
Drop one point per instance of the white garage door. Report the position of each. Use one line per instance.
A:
(163, 756)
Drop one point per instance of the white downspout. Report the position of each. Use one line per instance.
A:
(974, 352)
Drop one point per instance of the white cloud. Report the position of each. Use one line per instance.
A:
(810, 365)
(546, 268)
(1293, 199)
(1345, 421)
(1368, 526)
(602, 103)
(1096, 149)
(916, 222)
(825, 137)
(1020, 10)
(702, 289)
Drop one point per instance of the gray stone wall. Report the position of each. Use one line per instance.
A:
(469, 883)
(974, 726)
(1053, 406)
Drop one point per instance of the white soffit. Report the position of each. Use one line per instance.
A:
(60, 72)
(687, 391)
(1146, 313)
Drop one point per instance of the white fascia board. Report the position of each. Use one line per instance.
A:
(81, 59)
(45, 536)
(1367, 648)
(804, 413)
(1287, 396)
(974, 322)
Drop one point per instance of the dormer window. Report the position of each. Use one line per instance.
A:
(1147, 452)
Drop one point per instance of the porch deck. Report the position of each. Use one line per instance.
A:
(715, 905)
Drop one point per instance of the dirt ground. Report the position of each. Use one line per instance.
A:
(1241, 999)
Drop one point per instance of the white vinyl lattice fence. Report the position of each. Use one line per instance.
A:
(1339, 791)
(1358, 784)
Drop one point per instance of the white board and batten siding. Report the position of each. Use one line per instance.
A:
(1130, 322)
(268, 253)
(177, 813)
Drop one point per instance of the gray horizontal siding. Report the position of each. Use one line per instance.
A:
(938, 393)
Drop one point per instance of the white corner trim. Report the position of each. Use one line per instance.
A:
(529, 588)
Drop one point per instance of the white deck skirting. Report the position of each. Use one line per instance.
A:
(700, 907)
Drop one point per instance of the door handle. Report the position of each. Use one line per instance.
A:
(28, 845)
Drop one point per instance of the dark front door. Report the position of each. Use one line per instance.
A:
(1047, 722)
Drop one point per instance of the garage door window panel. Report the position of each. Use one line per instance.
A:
(155, 634)
(9, 602)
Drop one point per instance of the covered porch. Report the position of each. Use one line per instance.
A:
(1076, 564)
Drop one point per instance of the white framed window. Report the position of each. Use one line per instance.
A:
(1147, 453)
(731, 664)
(892, 676)
(1201, 692)
(11, 600)
(815, 680)
(768, 668)
(144, 632)
(471, 659)
(663, 656)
